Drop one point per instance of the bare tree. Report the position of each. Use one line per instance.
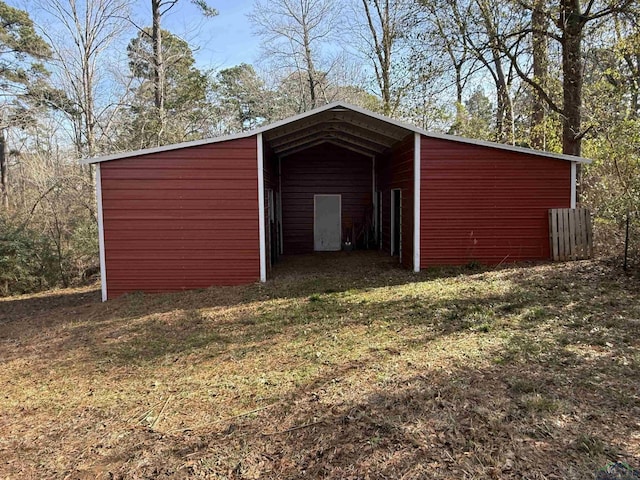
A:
(440, 28)
(494, 23)
(386, 25)
(540, 62)
(295, 34)
(81, 33)
(439, 44)
(159, 8)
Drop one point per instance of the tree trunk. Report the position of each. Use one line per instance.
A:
(4, 171)
(572, 76)
(158, 67)
(504, 113)
(89, 115)
(633, 63)
(572, 82)
(500, 107)
(383, 46)
(387, 43)
(311, 74)
(460, 112)
(540, 59)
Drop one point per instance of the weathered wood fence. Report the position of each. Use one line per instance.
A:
(570, 233)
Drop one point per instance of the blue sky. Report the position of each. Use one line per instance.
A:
(220, 42)
(223, 41)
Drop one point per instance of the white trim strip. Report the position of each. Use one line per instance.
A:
(103, 261)
(416, 201)
(573, 185)
(336, 106)
(261, 212)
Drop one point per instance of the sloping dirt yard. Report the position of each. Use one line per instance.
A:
(355, 369)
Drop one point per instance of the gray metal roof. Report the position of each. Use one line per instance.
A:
(340, 124)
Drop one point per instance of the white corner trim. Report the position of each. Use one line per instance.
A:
(261, 223)
(416, 200)
(574, 180)
(103, 262)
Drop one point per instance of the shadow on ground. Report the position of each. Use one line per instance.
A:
(503, 421)
(516, 373)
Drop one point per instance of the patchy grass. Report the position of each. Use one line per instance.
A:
(355, 370)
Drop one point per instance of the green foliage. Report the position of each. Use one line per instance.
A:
(550, 130)
(20, 49)
(612, 182)
(186, 88)
(475, 118)
(18, 38)
(27, 259)
(206, 9)
(244, 100)
(33, 258)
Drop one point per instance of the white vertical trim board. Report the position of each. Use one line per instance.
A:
(261, 212)
(573, 185)
(416, 201)
(103, 262)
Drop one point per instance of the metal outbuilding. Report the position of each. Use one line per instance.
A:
(220, 211)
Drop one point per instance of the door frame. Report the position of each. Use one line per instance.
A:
(272, 215)
(379, 218)
(392, 233)
(315, 195)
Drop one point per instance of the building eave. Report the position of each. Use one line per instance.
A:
(335, 106)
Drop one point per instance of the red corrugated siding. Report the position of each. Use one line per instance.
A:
(403, 167)
(392, 172)
(271, 182)
(182, 219)
(487, 205)
(325, 169)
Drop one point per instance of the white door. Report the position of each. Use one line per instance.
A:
(327, 223)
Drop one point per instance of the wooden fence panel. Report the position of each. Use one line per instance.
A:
(570, 233)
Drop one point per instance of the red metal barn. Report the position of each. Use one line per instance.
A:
(219, 211)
